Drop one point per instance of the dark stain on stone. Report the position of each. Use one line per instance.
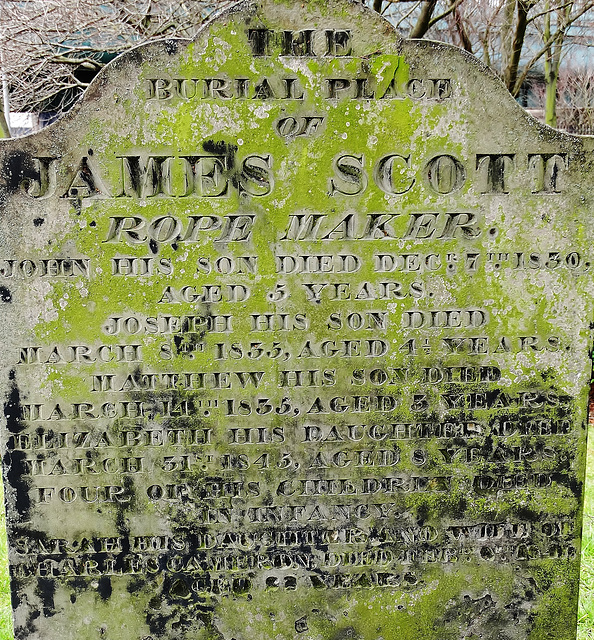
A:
(45, 590)
(14, 462)
(222, 148)
(17, 167)
(457, 509)
(25, 631)
(179, 589)
(38, 222)
(78, 584)
(187, 343)
(122, 507)
(5, 295)
(171, 46)
(133, 56)
(157, 624)
(487, 448)
(135, 585)
(15, 598)
(423, 512)
(484, 616)
(104, 589)
(85, 183)
(177, 340)
(301, 625)
(177, 608)
(576, 487)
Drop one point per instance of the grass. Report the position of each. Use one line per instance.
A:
(586, 604)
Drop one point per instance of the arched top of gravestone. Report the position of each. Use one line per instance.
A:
(260, 52)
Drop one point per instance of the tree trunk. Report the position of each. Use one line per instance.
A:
(506, 32)
(510, 73)
(422, 26)
(551, 98)
(552, 60)
(464, 39)
(550, 75)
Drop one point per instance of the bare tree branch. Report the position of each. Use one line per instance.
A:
(454, 5)
(53, 43)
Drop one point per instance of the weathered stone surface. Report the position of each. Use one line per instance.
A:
(295, 344)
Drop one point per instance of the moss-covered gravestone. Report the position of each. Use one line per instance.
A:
(295, 344)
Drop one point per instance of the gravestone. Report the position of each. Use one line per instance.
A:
(296, 333)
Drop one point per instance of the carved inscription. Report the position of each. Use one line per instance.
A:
(218, 176)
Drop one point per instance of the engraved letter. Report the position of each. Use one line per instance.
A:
(297, 43)
(338, 42)
(43, 184)
(256, 177)
(391, 174)
(304, 227)
(494, 170)
(547, 169)
(258, 39)
(445, 174)
(350, 178)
